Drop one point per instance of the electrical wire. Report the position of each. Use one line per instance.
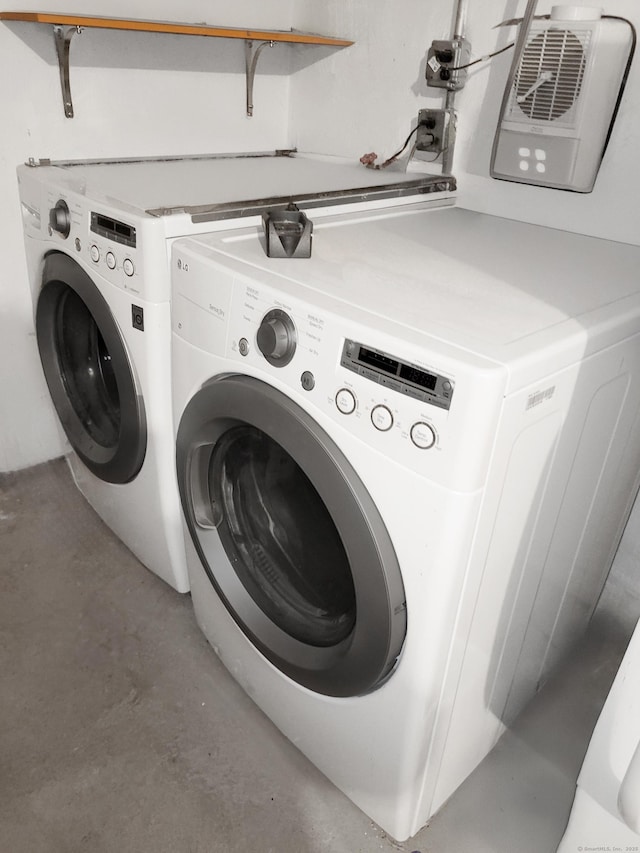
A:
(433, 159)
(625, 75)
(485, 58)
(365, 159)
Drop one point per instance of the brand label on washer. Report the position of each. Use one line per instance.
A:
(539, 397)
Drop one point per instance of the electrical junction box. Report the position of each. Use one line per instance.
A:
(433, 130)
(443, 58)
(556, 120)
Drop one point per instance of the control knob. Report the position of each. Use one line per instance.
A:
(276, 337)
(60, 218)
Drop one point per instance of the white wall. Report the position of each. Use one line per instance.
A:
(134, 95)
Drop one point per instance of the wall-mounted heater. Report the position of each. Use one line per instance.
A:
(562, 99)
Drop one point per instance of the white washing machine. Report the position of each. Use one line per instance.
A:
(405, 464)
(97, 238)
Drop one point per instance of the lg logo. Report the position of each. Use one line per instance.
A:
(183, 265)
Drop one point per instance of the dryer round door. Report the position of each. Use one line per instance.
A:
(90, 376)
(290, 537)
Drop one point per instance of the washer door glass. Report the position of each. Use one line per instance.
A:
(88, 371)
(281, 538)
(290, 538)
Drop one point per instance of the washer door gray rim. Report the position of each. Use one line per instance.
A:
(359, 662)
(90, 376)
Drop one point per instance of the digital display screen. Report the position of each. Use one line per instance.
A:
(396, 368)
(108, 227)
(379, 361)
(396, 375)
(114, 226)
(418, 377)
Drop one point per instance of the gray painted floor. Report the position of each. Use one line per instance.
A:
(121, 731)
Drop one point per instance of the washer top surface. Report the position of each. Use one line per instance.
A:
(184, 184)
(500, 288)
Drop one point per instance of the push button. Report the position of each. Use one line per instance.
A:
(345, 401)
(308, 380)
(423, 435)
(381, 418)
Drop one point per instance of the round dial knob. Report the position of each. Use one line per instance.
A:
(60, 218)
(276, 338)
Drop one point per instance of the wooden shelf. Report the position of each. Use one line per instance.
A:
(65, 26)
(289, 36)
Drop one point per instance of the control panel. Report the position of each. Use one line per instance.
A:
(113, 229)
(400, 376)
(117, 257)
(105, 243)
(391, 402)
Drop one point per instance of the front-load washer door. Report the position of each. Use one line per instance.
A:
(290, 537)
(89, 373)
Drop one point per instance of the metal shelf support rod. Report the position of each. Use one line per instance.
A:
(62, 37)
(251, 60)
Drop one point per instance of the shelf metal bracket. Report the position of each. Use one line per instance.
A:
(62, 37)
(251, 60)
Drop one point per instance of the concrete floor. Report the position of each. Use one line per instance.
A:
(121, 731)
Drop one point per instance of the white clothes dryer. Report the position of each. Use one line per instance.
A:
(405, 464)
(97, 239)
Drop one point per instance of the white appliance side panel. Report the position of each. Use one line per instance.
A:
(552, 542)
(598, 496)
(526, 449)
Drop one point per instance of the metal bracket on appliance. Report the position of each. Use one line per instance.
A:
(62, 37)
(251, 60)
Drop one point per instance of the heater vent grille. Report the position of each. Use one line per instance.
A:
(550, 76)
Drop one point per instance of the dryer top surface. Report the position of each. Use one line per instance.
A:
(502, 289)
(200, 183)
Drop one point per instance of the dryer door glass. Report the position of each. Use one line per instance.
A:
(87, 369)
(281, 537)
(290, 538)
(91, 379)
